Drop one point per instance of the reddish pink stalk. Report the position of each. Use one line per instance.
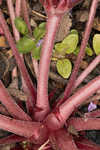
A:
(25, 14)
(92, 114)
(30, 102)
(26, 18)
(12, 17)
(20, 62)
(18, 8)
(88, 70)
(57, 120)
(30, 107)
(1, 31)
(36, 67)
(10, 105)
(55, 10)
(71, 82)
(42, 88)
(11, 139)
(85, 144)
(61, 139)
(34, 131)
(85, 123)
(17, 37)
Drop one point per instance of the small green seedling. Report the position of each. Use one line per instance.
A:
(64, 67)
(96, 43)
(21, 25)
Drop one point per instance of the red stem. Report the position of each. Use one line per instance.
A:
(42, 88)
(88, 70)
(29, 103)
(18, 8)
(62, 140)
(12, 17)
(3, 110)
(26, 18)
(25, 13)
(57, 119)
(10, 105)
(85, 123)
(19, 60)
(92, 114)
(11, 139)
(71, 82)
(85, 144)
(34, 131)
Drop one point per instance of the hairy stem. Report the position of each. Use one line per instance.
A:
(57, 119)
(19, 60)
(71, 82)
(42, 102)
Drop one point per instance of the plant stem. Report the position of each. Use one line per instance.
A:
(11, 139)
(18, 8)
(12, 17)
(42, 88)
(85, 73)
(85, 144)
(26, 18)
(10, 105)
(29, 103)
(25, 13)
(35, 131)
(62, 140)
(92, 114)
(72, 79)
(19, 60)
(57, 119)
(85, 123)
(36, 67)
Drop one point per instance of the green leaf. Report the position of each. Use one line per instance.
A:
(89, 51)
(21, 25)
(36, 52)
(64, 67)
(71, 42)
(60, 48)
(76, 51)
(25, 45)
(74, 31)
(39, 31)
(96, 43)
